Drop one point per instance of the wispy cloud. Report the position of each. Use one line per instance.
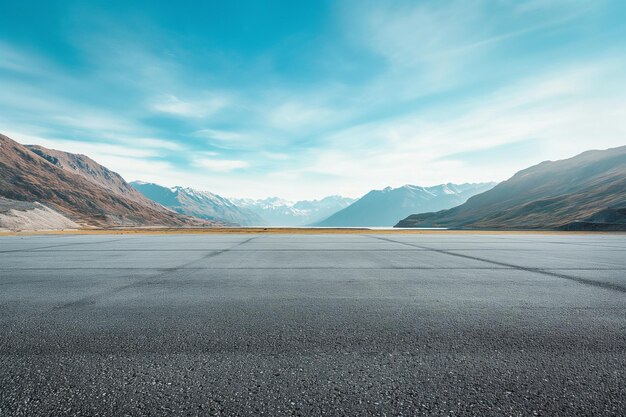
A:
(220, 135)
(191, 108)
(562, 114)
(155, 143)
(220, 165)
(293, 115)
(19, 62)
(378, 94)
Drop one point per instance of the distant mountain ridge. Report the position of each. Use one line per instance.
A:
(201, 204)
(385, 207)
(587, 191)
(78, 188)
(279, 212)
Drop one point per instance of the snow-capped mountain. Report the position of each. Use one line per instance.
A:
(202, 204)
(387, 206)
(279, 212)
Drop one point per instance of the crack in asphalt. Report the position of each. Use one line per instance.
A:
(585, 281)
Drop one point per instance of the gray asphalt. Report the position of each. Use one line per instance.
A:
(443, 325)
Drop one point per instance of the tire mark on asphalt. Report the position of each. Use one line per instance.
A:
(151, 280)
(60, 246)
(585, 281)
(564, 243)
(298, 250)
(20, 323)
(271, 268)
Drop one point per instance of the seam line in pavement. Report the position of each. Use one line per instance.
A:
(584, 281)
(59, 246)
(43, 250)
(151, 279)
(271, 268)
(567, 243)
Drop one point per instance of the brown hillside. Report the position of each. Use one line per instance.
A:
(79, 188)
(587, 191)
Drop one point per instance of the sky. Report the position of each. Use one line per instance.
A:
(304, 99)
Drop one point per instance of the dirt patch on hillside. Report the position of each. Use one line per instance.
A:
(26, 216)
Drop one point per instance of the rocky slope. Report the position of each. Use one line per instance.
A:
(586, 192)
(79, 189)
(385, 207)
(23, 215)
(90, 170)
(202, 204)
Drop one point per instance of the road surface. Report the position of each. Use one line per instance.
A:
(380, 324)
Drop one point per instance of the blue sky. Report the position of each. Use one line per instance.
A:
(307, 99)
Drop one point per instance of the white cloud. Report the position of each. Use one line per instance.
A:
(256, 141)
(58, 114)
(136, 168)
(155, 143)
(201, 107)
(409, 34)
(18, 61)
(541, 6)
(395, 123)
(276, 156)
(565, 113)
(95, 150)
(220, 165)
(130, 163)
(294, 115)
(220, 135)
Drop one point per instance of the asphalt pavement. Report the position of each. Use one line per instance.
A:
(332, 324)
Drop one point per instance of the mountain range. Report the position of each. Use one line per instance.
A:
(279, 212)
(76, 188)
(43, 188)
(586, 192)
(385, 207)
(201, 204)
